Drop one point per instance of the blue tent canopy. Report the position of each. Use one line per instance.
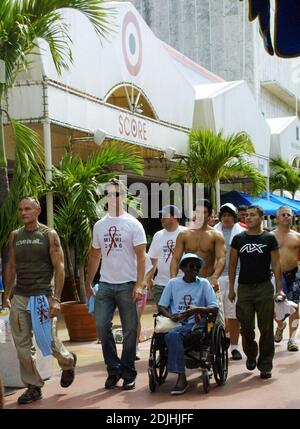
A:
(236, 198)
(269, 206)
(240, 198)
(283, 201)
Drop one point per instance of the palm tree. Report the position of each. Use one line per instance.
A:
(283, 176)
(22, 23)
(77, 185)
(28, 178)
(213, 157)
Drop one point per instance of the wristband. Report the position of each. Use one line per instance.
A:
(56, 299)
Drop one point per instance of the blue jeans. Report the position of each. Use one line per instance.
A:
(174, 341)
(108, 298)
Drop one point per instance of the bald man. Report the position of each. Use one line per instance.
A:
(35, 254)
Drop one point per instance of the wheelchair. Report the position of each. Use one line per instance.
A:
(206, 349)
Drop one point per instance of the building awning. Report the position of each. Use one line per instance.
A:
(283, 201)
(230, 106)
(269, 206)
(285, 138)
(241, 198)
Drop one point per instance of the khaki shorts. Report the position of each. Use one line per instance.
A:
(229, 307)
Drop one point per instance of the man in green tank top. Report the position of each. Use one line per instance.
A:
(35, 254)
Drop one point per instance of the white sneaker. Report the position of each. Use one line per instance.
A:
(292, 345)
(279, 333)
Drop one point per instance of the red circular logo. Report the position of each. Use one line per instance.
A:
(132, 43)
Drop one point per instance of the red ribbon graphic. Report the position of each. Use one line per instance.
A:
(197, 318)
(112, 232)
(170, 248)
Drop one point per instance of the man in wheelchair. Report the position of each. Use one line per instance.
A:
(183, 300)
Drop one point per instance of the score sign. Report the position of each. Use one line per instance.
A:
(132, 127)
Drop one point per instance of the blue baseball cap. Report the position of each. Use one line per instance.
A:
(170, 210)
(192, 256)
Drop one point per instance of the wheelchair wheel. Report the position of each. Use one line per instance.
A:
(158, 361)
(152, 382)
(205, 380)
(220, 352)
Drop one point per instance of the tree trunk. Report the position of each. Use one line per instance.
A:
(4, 187)
(71, 271)
(213, 197)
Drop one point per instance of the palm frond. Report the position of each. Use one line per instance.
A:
(28, 177)
(23, 22)
(213, 157)
(245, 169)
(283, 176)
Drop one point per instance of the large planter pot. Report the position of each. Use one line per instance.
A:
(67, 292)
(80, 324)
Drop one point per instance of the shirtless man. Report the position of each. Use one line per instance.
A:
(203, 240)
(206, 242)
(289, 247)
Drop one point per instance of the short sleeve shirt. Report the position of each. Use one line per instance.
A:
(255, 255)
(178, 295)
(117, 236)
(162, 248)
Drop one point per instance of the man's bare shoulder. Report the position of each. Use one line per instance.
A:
(276, 232)
(217, 235)
(187, 233)
(52, 232)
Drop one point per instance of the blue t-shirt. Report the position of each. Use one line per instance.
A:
(178, 295)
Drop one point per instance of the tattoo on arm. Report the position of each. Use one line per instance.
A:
(56, 243)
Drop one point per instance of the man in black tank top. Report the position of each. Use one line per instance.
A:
(257, 250)
(35, 254)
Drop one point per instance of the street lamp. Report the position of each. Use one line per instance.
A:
(170, 152)
(99, 136)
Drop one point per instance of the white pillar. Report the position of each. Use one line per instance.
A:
(48, 169)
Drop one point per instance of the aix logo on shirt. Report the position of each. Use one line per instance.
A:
(252, 248)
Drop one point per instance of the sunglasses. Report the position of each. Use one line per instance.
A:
(113, 194)
(286, 214)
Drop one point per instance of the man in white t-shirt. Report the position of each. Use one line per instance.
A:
(162, 248)
(120, 240)
(229, 227)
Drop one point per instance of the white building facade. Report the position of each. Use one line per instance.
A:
(218, 35)
(134, 88)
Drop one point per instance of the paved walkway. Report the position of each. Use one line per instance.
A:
(243, 389)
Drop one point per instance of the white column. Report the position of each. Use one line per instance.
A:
(48, 169)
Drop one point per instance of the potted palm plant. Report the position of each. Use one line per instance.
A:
(75, 183)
